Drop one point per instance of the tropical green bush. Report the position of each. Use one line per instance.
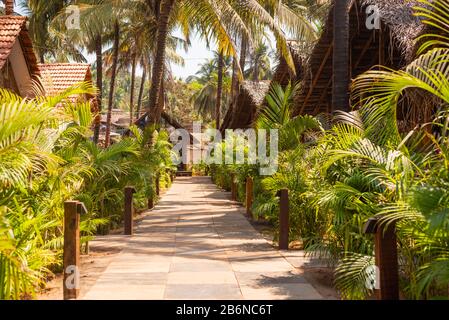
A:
(340, 177)
(47, 157)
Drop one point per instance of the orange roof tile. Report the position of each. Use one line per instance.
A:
(57, 77)
(11, 28)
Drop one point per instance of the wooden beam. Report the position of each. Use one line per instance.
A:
(362, 54)
(381, 47)
(317, 75)
(323, 94)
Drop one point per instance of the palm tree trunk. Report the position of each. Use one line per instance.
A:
(133, 84)
(141, 90)
(340, 62)
(243, 49)
(219, 89)
(9, 7)
(112, 88)
(256, 70)
(159, 59)
(99, 55)
(235, 78)
(161, 100)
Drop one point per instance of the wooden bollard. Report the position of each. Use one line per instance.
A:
(71, 255)
(129, 210)
(249, 195)
(233, 188)
(150, 203)
(386, 259)
(158, 189)
(283, 219)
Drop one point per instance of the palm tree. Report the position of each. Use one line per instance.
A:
(219, 89)
(205, 72)
(9, 7)
(115, 57)
(219, 20)
(141, 89)
(47, 43)
(166, 7)
(91, 36)
(260, 63)
(340, 56)
(99, 82)
(209, 75)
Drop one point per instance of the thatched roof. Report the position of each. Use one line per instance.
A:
(242, 111)
(392, 46)
(283, 73)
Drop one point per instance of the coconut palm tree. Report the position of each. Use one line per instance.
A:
(208, 75)
(219, 89)
(47, 42)
(9, 7)
(220, 20)
(260, 63)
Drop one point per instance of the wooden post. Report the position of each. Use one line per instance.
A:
(386, 259)
(150, 203)
(249, 195)
(129, 210)
(233, 188)
(283, 219)
(387, 262)
(71, 254)
(158, 191)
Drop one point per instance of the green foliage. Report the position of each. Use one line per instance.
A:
(46, 158)
(339, 177)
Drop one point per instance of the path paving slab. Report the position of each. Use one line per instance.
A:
(198, 244)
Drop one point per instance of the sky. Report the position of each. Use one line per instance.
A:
(197, 53)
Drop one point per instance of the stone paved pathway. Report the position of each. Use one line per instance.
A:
(197, 244)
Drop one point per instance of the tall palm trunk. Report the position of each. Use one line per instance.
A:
(9, 7)
(256, 70)
(112, 88)
(340, 62)
(219, 89)
(161, 100)
(235, 78)
(133, 84)
(159, 59)
(141, 90)
(99, 56)
(243, 49)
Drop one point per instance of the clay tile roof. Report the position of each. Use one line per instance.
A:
(57, 77)
(12, 28)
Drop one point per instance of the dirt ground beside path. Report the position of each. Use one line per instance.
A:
(102, 251)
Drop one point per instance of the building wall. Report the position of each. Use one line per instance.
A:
(7, 80)
(20, 69)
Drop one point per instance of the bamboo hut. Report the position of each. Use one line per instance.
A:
(390, 45)
(242, 112)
